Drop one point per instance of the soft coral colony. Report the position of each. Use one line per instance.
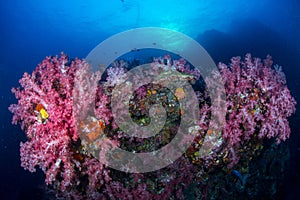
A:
(258, 104)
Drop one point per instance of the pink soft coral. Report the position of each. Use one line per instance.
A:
(257, 99)
(60, 93)
(49, 141)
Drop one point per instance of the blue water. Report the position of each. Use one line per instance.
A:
(32, 29)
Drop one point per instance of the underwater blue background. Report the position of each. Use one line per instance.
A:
(32, 29)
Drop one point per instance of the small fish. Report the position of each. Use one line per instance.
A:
(238, 174)
(42, 114)
(242, 179)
